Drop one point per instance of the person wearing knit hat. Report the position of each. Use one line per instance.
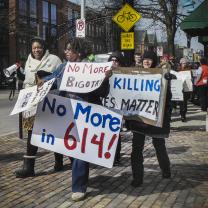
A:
(141, 130)
(117, 58)
(186, 95)
(149, 59)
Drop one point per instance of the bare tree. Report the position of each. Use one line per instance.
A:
(160, 11)
(165, 12)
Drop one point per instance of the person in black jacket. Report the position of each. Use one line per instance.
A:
(117, 59)
(158, 134)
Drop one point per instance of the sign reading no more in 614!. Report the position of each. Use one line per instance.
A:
(126, 17)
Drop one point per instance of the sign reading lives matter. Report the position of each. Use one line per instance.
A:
(80, 28)
(135, 94)
(83, 77)
(78, 129)
(30, 97)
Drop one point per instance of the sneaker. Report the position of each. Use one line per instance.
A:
(78, 196)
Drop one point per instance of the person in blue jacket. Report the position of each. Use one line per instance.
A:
(78, 50)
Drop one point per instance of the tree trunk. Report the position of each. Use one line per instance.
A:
(170, 39)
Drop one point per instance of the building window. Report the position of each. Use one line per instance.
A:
(70, 17)
(53, 14)
(33, 8)
(45, 12)
(22, 7)
(22, 43)
(23, 11)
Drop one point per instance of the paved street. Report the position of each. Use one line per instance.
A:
(8, 123)
(188, 187)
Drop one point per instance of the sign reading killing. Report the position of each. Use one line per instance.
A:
(78, 129)
(135, 94)
(84, 77)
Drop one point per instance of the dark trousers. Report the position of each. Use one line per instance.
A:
(137, 155)
(32, 150)
(183, 104)
(203, 96)
(118, 150)
(80, 175)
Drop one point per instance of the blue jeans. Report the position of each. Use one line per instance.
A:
(80, 175)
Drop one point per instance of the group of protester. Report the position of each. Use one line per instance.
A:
(42, 66)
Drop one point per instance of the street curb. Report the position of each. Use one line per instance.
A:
(10, 134)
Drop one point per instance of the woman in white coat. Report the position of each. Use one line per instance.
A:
(39, 61)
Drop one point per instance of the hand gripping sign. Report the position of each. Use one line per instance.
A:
(139, 93)
(135, 94)
(78, 129)
(83, 77)
(30, 97)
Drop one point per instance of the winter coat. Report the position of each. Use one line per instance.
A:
(48, 63)
(204, 76)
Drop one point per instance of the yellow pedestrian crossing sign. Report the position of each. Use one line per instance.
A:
(126, 17)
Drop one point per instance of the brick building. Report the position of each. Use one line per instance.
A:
(54, 21)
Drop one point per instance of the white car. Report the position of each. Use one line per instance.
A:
(102, 57)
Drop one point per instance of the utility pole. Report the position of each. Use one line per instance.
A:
(129, 54)
(83, 2)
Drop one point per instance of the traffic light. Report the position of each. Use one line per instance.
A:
(187, 3)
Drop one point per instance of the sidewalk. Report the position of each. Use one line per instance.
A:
(188, 187)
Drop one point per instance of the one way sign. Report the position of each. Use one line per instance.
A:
(80, 28)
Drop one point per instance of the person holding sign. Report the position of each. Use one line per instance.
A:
(78, 50)
(186, 95)
(140, 130)
(39, 61)
(116, 58)
(202, 84)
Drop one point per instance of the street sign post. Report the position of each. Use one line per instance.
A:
(80, 28)
(126, 17)
(159, 51)
(127, 40)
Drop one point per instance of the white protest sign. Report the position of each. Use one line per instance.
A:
(83, 77)
(177, 89)
(29, 97)
(78, 129)
(135, 94)
(185, 76)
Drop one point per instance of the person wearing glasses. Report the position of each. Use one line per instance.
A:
(78, 50)
(117, 59)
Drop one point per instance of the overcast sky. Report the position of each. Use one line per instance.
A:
(146, 24)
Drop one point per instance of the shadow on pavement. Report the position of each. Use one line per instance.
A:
(5, 158)
(189, 128)
(189, 174)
